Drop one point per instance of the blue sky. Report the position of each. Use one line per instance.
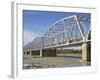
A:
(36, 23)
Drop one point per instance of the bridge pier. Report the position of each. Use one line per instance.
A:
(40, 52)
(27, 52)
(86, 54)
(30, 53)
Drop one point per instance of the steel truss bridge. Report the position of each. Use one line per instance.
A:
(69, 31)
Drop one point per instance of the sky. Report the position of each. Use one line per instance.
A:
(36, 23)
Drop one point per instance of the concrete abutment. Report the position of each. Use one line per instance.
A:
(86, 51)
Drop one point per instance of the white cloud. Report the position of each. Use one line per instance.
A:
(28, 37)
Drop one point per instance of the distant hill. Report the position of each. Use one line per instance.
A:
(36, 43)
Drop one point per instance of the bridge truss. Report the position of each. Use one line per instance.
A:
(69, 30)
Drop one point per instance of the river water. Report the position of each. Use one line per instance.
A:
(61, 60)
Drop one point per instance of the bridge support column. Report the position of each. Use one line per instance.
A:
(40, 52)
(27, 53)
(30, 53)
(86, 52)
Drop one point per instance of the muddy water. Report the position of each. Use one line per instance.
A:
(61, 60)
